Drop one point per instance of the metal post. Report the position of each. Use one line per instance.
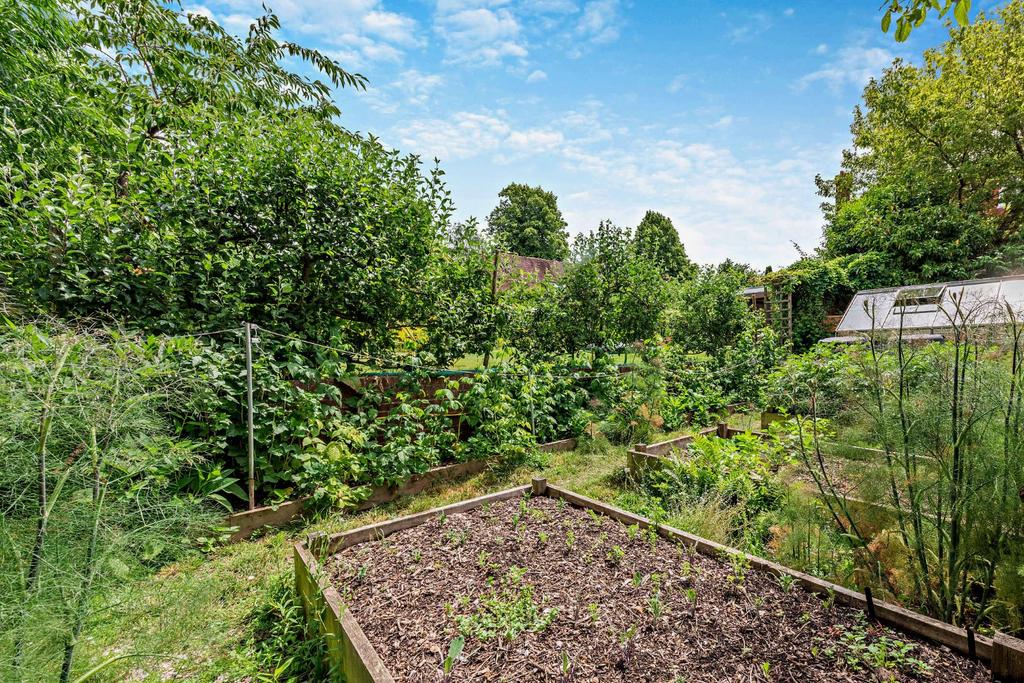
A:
(248, 393)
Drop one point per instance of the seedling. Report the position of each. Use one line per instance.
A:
(655, 606)
(542, 538)
(652, 537)
(595, 518)
(570, 540)
(766, 669)
(454, 650)
(615, 554)
(442, 518)
(567, 674)
(595, 612)
(638, 578)
(632, 531)
(881, 652)
(482, 560)
(506, 612)
(417, 556)
(739, 565)
(627, 640)
(787, 582)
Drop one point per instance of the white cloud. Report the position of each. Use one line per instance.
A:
(600, 21)
(677, 83)
(464, 135)
(753, 26)
(536, 76)
(788, 12)
(821, 49)
(535, 140)
(356, 32)
(723, 122)
(852, 66)
(480, 36)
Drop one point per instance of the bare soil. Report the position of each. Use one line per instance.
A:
(654, 612)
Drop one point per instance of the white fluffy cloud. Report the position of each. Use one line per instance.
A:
(536, 76)
(600, 21)
(480, 35)
(852, 66)
(356, 32)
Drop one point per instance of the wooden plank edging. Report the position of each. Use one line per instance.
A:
(249, 521)
(350, 654)
(893, 615)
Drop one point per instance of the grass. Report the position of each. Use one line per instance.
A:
(205, 619)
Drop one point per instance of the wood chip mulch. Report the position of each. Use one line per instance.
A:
(594, 609)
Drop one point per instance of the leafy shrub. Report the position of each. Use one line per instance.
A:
(737, 473)
(694, 395)
(815, 381)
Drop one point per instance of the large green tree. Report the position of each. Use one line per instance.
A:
(657, 240)
(938, 157)
(527, 222)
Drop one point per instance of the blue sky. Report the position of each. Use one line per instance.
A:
(716, 113)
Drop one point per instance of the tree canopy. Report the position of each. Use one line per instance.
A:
(527, 222)
(658, 241)
(934, 180)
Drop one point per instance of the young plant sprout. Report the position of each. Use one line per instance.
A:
(567, 670)
(454, 650)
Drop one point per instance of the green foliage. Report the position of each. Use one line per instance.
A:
(819, 288)
(633, 416)
(922, 236)
(933, 180)
(708, 312)
(879, 652)
(746, 364)
(90, 485)
(658, 241)
(527, 222)
(737, 473)
(610, 295)
(506, 612)
(693, 394)
(815, 382)
(912, 13)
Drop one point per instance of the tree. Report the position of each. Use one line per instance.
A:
(527, 222)
(922, 236)
(657, 240)
(709, 312)
(611, 294)
(942, 142)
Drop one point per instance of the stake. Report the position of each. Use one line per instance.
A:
(871, 603)
(248, 392)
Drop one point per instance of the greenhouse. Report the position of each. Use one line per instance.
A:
(929, 309)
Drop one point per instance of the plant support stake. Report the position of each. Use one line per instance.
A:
(248, 396)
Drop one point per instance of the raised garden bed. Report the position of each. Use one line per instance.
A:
(249, 521)
(560, 582)
(644, 456)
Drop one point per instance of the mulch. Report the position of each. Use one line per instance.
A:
(407, 591)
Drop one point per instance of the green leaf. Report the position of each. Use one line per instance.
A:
(961, 11)
(886, 21)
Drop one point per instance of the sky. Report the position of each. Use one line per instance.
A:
(716, 113)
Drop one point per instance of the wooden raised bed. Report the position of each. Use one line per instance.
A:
(356, 660)
(644, 456)
(249, 521)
